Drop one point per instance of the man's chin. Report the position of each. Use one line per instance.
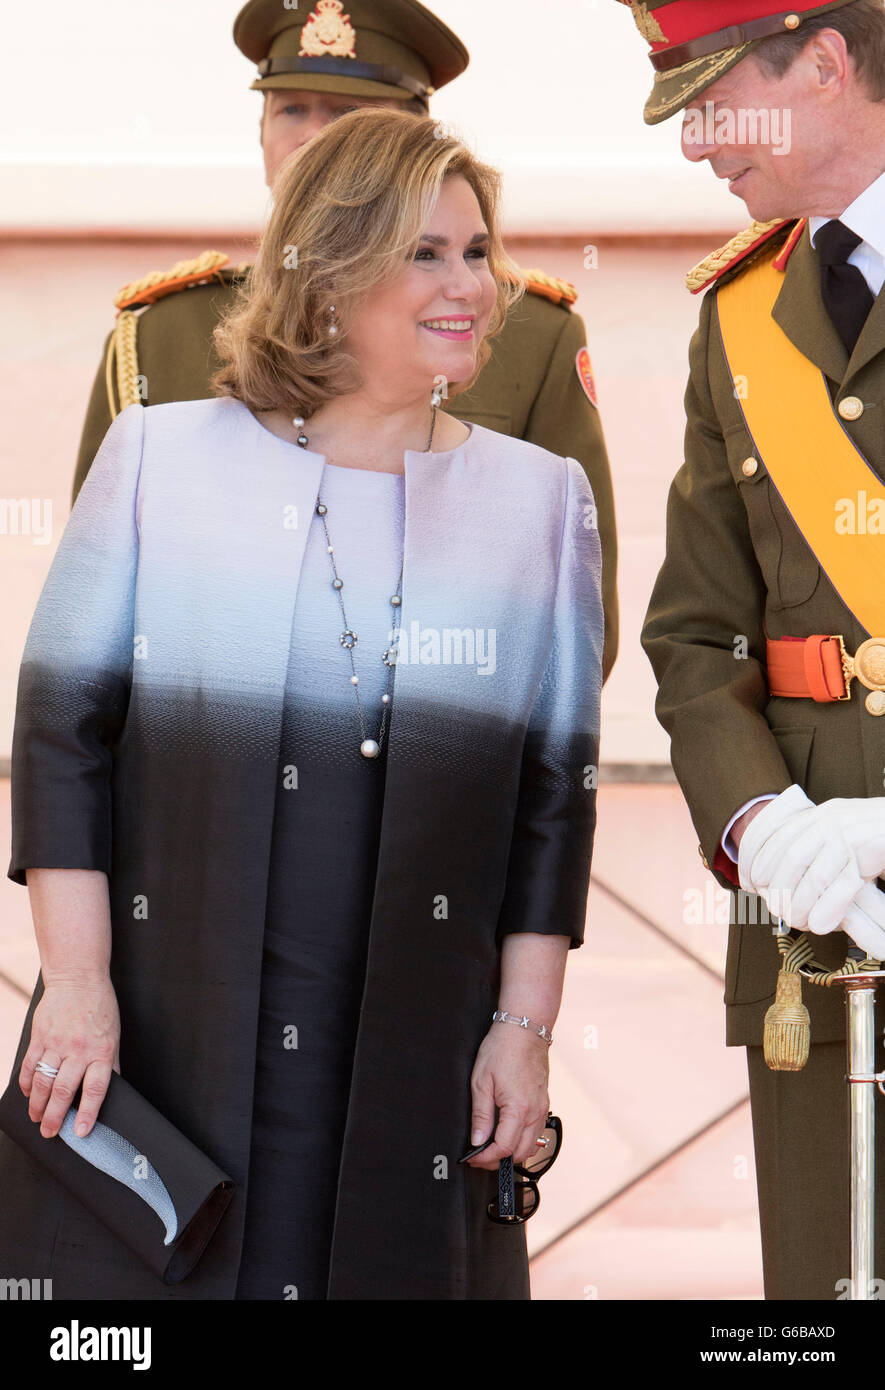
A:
(762, 208)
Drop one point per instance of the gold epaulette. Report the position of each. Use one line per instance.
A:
(550, 287)
(739, 249)
(123, 382)
(159, 283)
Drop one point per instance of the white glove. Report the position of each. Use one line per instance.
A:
(800, 859)
(860, 820)
(782, 811)
(864, 921)
(818, 857)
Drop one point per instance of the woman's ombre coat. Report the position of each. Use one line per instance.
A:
(147, 743)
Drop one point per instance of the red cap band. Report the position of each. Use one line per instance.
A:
(684, 20)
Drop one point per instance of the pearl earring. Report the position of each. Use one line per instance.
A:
(333, 326)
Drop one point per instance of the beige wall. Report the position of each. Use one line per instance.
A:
(140, 116)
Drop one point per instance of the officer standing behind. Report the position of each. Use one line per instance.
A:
(313, 65)
(775, 723)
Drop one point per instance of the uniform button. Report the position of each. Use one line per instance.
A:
(851, 408)
(748, 467)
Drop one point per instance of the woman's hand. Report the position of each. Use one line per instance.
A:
(76, 1027)
(511, 1072)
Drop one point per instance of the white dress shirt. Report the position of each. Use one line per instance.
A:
(866, 218)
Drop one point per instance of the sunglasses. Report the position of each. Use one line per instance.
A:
(518, 1197)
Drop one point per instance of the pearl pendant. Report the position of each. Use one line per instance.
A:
(369, 748)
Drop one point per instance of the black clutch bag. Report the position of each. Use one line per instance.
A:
(135, 1172)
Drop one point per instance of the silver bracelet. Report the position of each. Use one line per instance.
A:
(502, 1016)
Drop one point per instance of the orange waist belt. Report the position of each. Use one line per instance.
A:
(819, 668)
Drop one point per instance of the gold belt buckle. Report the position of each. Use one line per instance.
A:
(868, 666)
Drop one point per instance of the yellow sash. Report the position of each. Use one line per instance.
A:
(831, 492)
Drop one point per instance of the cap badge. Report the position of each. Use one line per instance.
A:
(328, 32)
(646, 23)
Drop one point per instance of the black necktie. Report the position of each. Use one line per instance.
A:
(847, 297)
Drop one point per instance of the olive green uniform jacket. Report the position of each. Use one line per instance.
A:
(737, 566)
(530, 389)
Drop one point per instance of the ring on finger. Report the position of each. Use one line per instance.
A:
(46, 1070)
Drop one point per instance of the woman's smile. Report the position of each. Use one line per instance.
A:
(456, 326)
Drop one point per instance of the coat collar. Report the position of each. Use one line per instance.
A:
(800, 312)
(247, 501)
(444, 542)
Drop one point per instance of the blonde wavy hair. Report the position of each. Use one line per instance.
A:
(349, 209)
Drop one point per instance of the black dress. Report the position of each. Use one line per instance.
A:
(321, 886)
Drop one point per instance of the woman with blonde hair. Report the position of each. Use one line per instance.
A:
(304, 763)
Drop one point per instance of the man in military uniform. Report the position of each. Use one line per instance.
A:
(772, 548)
(313, 65)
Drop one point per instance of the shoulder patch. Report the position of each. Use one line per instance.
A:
(159, 283)
(584, 368)
(550, 287)
(740, 249)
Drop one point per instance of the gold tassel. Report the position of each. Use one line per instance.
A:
(787, 1035)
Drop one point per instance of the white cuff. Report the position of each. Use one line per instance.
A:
(730, 849)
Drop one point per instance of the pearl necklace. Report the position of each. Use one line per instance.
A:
(369, 747)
